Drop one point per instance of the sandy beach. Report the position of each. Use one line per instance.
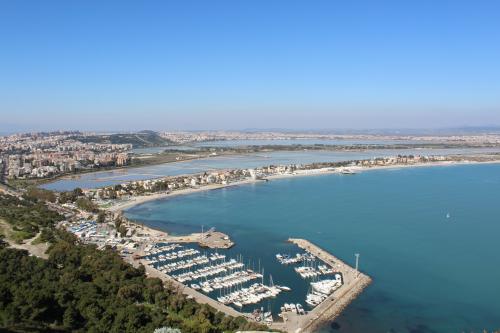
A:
(128, 203)
(122, 205)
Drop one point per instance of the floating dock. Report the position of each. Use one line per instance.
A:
(191, 293)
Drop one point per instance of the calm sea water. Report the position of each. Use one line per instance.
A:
(430, 273)
(106, 178)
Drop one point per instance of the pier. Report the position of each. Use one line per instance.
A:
(332, 306)
(211, 240)
(189, 292)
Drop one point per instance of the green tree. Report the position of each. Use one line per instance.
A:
(101, 217)
(86, 204)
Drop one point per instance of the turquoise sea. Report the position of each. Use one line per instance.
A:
(430, 273)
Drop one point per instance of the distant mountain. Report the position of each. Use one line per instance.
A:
(137, 140)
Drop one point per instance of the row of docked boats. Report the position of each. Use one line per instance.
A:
(160, 248)
(209, 271)
(320, 290)
(286, 259)
(216, 256)
(253, 294)
(294, 308)
(236, 283)
(182, 264)
(177, 254)
(228, 281)
(307, 272)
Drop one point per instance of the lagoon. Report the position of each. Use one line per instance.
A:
(118, 176)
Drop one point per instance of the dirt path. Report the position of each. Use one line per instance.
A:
(37, 250)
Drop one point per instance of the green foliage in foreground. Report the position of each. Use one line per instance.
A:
(27, 217)
(39, 194)
(82, 289)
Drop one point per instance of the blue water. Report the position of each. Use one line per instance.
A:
(106, 178)
(430, 273)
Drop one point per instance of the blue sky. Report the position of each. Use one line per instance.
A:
(125, 65)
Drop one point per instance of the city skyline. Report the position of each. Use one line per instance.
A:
(226, 65)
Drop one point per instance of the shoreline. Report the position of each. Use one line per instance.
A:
(335, 303)
(129, 203)
(164, 235)
(70, 176)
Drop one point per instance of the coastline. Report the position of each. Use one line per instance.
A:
(121, 206)
(129, 203)
(334, 306)
(201, 156)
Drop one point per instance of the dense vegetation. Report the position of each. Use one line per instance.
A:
(86, 204)
(26, 216)
(137, 140)
(82, 289)
(40, 194)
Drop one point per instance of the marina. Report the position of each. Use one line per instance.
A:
(345, 217)
(233, 285)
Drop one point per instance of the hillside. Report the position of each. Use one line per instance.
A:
(78, 288)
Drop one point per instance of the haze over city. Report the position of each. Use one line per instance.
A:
(118, 65)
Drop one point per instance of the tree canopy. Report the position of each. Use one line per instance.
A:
(82, 289)
(26, 216)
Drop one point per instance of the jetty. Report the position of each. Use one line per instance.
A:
(354, 282)
(211, 240)
(189, 292)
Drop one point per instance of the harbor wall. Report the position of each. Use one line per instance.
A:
(354, 283)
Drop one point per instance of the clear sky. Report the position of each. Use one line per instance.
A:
(125, 65)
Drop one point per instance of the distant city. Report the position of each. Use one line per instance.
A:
(47, 154)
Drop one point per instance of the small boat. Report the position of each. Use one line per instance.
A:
(311, 302)
(238, 304)
(284, 288)
(448, 215)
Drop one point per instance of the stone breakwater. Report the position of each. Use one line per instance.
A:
(354, 283)
(338, 304)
